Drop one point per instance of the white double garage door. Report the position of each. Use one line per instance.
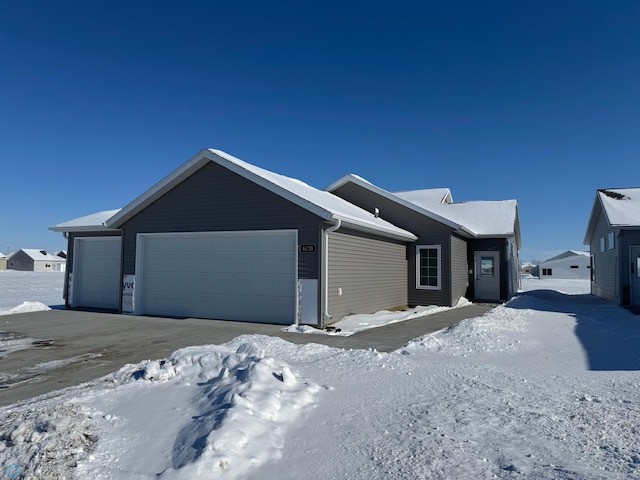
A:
(250, 276)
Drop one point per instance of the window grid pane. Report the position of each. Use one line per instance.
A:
(429, 267)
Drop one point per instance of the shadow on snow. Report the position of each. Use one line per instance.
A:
(609, 334)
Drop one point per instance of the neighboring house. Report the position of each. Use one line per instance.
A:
(3, 261)
(527, 268)
(613, 236)
(572, 264)
(34, 260)
(221, 238)
(466, 249)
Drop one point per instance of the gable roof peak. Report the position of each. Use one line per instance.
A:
(321, 203)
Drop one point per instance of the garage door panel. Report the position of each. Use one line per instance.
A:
(97, 272)
(225, 275)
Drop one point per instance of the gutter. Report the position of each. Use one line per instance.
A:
(325, 315)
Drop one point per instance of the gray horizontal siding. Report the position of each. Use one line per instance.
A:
(372, 274)
(605, 264)
(428, 231)
(21, 261)
(216, 199)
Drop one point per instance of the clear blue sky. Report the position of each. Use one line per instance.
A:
(538, 101)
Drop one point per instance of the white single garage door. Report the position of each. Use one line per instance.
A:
(249, 276)
(96, 272)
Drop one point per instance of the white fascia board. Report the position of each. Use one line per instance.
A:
(351, 178)
(597, 203)
(323, 213)
(397, 233)
(229, 162)
(251, 173)
(91, 228)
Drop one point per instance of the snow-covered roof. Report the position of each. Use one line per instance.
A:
(358, 180)
(475, 219)
(429, 196)
(482, 218)
(580, 252)
(95, 221)
(569, 253)
(324, 204)
(2, 255)
(43, 255)
(621, 207)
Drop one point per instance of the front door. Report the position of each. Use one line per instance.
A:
(487, 276)
(635, 275)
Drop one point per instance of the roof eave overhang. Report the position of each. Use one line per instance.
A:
(159, 189)
(88, 229)
(391, 197)
(597, 203)
(194, 164)
(374, 229)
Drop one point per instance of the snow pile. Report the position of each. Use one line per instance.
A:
(17, 287)
(364, 321)
(26, 307)
(45, 441)
(229, 414)
(499, 330)
(544, 386)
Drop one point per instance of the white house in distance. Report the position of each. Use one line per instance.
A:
(34, 260)
(572, 264)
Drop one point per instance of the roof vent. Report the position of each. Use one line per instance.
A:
(44, 252)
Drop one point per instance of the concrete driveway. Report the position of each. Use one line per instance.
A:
(77, 346)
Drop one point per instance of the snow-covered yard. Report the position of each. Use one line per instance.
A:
(544, 387)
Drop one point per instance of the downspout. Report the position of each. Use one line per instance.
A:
(65, 286)
(326, 317)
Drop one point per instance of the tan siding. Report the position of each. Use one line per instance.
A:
(428, 231)
(372, 274)
(459, 269)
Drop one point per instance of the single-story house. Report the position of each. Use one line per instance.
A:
(613, 237)
(463, 249)
(221, 238)
(527, 268)
(34, 260)
(3, 261)
(572, 264)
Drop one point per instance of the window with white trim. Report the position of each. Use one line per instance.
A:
(428, 267)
